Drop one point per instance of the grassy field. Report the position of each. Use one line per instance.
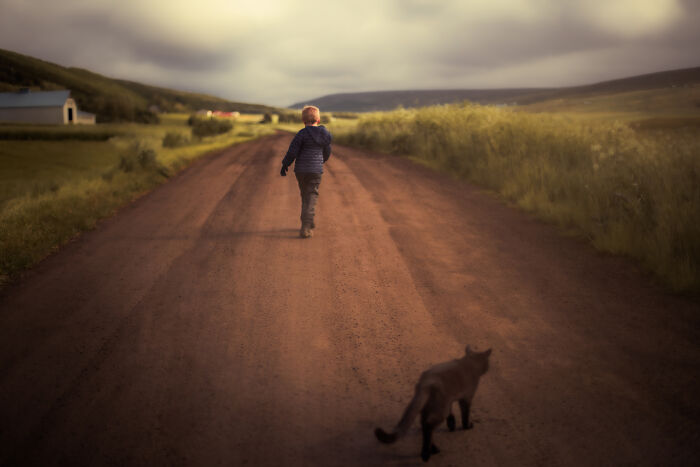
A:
(51, 190)
(338, 125)
(630, 191)
(669, 102)
(670, 89)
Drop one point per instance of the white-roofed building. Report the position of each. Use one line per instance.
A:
(46, 107)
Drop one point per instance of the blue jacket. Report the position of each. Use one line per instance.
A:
(311, 148)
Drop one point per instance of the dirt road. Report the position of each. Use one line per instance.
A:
(196, 328)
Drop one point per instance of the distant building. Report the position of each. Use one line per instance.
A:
(85, 118)
(220, 114)
(217, 113)
(47, 107)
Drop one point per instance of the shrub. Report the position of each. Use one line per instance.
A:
(174, 139)
(270, 118)
(348, 115)
(146, 116)
(290, 117)
(140, 156)
(214, 126)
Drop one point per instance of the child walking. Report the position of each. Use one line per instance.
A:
(311, 148)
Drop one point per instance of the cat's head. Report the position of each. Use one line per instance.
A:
(481, 358)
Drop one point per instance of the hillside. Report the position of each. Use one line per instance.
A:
(387, 100)
(110, 99)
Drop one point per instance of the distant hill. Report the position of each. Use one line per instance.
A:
(389, 100)
(111, 99)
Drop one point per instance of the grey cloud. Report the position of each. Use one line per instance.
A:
(134, 40)
(418, 10)
(328, 69)
(467, 49)
(512, 42)
(91, 35)
(685, 34)
(398, 44)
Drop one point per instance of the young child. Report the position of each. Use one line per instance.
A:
(311, 148)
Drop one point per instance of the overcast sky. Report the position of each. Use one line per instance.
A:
(279, 52)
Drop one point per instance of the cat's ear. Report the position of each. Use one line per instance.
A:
(487, 353)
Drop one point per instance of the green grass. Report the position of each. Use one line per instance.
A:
(51, 191)
(630, 192)
(337, 125)
(32, 168)
(670, 102)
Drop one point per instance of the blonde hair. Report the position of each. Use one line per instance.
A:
(310, 114)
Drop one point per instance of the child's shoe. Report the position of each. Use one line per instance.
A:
(305, 232)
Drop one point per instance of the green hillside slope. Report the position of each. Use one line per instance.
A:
(110, 99)
(389, 100)
(682, 84)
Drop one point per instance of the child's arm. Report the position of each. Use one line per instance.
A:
(326, 152)
(293, 150)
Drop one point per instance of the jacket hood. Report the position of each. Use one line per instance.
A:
(319, 134)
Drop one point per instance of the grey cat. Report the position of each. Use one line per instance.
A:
(437, 388)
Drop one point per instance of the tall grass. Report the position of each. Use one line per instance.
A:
(52, 190)
(629, 192)
(33, 226)
(337, 125)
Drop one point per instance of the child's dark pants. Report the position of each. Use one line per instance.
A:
(308, 187)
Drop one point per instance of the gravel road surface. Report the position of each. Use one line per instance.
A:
(196, 328)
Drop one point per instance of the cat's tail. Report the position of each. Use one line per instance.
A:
(410, 414)
(385, 437)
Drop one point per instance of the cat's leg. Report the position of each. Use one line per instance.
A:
(432, 415)
(428, 447)
(465, 406)
(427, 441)
(451, 420)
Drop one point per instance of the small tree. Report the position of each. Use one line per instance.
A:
(215, 126)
